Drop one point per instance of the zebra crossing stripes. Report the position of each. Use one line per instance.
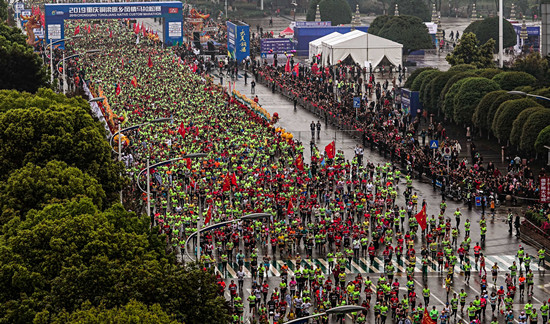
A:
(364, 266)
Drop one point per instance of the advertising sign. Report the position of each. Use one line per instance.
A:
(275, 45)
(545, 190)
(313, 24)
(238, 40)
(56, 13)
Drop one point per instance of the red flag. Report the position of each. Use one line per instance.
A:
(181, 130)
(117, 91)
(421, 218)
(287, 66)
(110, 33)
(208, 215)
(77, 30)
(290, 208)
(330, 150)
(233, 179)
(297, 68)
(300, 163)
(134, 81)
(227, 183)
(189, 164)
(150, 62)
(89, 29)
(426, 319)
(136, 28)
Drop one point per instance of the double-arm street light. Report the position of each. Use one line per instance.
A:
(521, 93)
(149, 167)
(331, 311)
(120, 131)
(64, 67)
(211, 227)
(51, 52)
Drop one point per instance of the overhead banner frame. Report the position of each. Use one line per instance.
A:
(171, 11)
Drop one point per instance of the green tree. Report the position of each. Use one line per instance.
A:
(487, 29)
(469, 52)
(544, 92)
(336, 11)
(468, 97)
(495, 105)
(409, 31)
(416, 8)
(59, 129)
(534, 124)
(377, 25)
(20, 67)
(488, 73)
(420, 79)
(479, 119)
(33, 187)
(3, 10)
(517, 125)
(133, 312)
(449, 103)
(66, 255)
(462, 68)
(534, 64)
(543, 139)
(414, 74)
(506, 114)
(435, 88)
(511, 80)
(452, 80)
(425, 89)
(12, 34)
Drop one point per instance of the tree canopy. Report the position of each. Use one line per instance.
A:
(336, 11)
(468, 97)
(517, 125)
(20, 68)
(45, 127)
(534, 124)
(534, 64)
(506, 114)
(33, 187)
(416, 8)
(487, 29)
(512, 80)
(467, 51)
(409, 31)
(479, 118)
(66, 255)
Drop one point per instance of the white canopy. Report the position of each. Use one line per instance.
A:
(315, 46)
(362, 47)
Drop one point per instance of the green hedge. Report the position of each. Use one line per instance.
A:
(506, 114)
(536, 122)
(470, 94)
(495, 105)
(479, 119)
(455, 78)
(424, 91)
(517, 125)
(543, 139)
(511, 80)
(414, 74)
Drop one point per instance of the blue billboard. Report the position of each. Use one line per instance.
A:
(171, 12)
(238, 40)
(275, 46)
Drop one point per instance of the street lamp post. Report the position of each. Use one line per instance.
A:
(187, 156)
(521, 93)
(211, 227)
(70, 57)
(331, 311)
(51, 52)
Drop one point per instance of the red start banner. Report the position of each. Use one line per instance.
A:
(545, 190)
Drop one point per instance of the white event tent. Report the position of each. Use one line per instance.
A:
(315, 46)
(362, 48)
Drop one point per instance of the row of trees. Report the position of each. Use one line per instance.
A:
(20, 67)
(478, 97)
(68, 251)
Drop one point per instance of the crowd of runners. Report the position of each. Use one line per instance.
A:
(336, 210)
